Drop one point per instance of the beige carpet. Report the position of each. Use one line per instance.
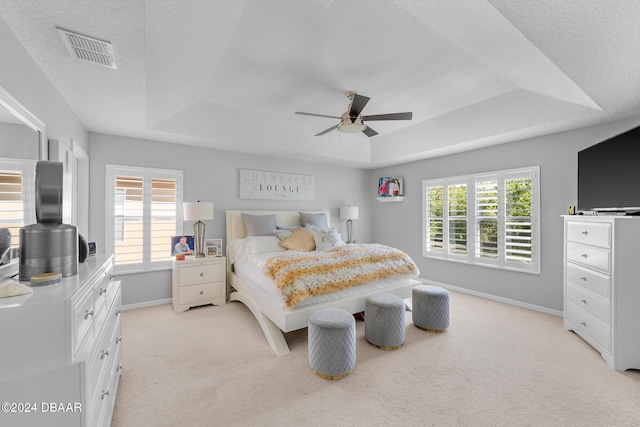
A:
(497, 365)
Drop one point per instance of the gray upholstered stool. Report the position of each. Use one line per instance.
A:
(430, 308)
(332, 343)
(384, 321)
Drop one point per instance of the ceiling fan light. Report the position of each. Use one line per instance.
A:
(352, 127)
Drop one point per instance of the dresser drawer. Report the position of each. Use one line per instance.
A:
(83, 315)
(200, 273)
(592, 304)
(591, 233)
(589, 279)
(588, 326)
(204, 292)
(591, 256)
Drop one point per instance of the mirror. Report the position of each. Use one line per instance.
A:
(22, 135)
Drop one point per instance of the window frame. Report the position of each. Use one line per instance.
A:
(147, 175)
(473, 218)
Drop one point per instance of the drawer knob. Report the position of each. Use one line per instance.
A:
(103, 394)
(584, 279)
(104, 354)
(118, 340)
(201, 292)
(87, 313)
(584, 301)
(201, 274)
(111, 276)
(117, 313)
(103, 291)
(119, 368)
(585, 232)
(583, 324)
(585, 255)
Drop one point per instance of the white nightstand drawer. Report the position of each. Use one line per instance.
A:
(200, 273)
(589, 326)
(206, 291)
(589, 279)
(591, 233)
(592, 304)
(590, 256)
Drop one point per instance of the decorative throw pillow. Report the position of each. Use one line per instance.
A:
(282, 234)
(300, 240)
(288, 227)
(316, 219)
(325, 239)
(259, 225)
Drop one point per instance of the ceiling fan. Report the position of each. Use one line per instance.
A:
(353, 121)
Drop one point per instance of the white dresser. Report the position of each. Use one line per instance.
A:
(61, 350)
(198, 281)
(602, 285)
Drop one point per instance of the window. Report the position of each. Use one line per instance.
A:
(17, 188)
(144, 210)
(488, 219)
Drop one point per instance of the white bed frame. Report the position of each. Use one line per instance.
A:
(273, 318)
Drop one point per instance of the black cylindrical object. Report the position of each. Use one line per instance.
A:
(46, 248)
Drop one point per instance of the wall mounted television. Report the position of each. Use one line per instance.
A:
(608, 175)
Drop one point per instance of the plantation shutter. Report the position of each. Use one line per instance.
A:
(145, 209)
(434, 217)
(16, 196)
(487, 233)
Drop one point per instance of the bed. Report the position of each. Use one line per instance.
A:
(270, 312)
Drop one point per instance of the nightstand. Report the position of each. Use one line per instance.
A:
(198, 281)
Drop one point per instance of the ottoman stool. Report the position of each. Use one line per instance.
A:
(384, 316)
(332, 343)
(430, 308)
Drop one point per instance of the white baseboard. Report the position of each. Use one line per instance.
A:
(146, 304)
(495, 298)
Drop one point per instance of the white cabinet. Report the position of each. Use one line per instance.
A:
(62, 350)
(198, 281)
(602, 285)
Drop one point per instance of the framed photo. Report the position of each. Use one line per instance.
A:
(213, 247)
(178, 246)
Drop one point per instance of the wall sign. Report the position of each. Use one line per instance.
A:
(276, 186)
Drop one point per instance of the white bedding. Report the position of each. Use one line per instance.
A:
(249, 268)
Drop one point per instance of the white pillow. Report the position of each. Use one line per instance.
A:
(257, 245)
(326, 238)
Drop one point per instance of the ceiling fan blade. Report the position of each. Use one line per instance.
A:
(391, 116)
(316, 115)
(358, 104)
(326, 130)
(369, 132)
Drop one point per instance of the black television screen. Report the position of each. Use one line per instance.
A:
(608, 174)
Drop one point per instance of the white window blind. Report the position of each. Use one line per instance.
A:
(144, 212)
(17, 196)
(494, 224)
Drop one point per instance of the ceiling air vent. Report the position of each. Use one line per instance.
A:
(88, 48)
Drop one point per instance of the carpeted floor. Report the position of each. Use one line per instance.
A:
(497, 365)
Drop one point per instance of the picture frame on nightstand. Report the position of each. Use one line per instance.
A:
(213, 247)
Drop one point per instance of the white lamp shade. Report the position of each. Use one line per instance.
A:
(349, 212)
(198, 211)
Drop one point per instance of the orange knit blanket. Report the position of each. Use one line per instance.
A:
(302, 275)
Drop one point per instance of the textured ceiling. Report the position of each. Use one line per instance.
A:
(230, 74)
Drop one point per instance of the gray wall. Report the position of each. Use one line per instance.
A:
(400, 224)
(212, 175)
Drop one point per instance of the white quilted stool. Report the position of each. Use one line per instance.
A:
(332, 343)
(430, 308)
(384, 320)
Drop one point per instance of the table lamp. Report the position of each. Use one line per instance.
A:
(349, 213)
(198, 211)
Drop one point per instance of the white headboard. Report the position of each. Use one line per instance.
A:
(235, 224)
